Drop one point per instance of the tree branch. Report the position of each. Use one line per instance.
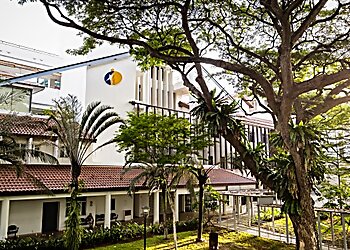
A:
(308, 20)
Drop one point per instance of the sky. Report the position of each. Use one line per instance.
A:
(29, 25)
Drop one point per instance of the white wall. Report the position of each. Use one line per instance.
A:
(74, 82)
(117, 96)
(123, 202)
(27, 215)
(141, 200)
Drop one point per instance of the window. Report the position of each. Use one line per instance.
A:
(82, 203)
(63, 153)
(210, 160)
(43, 82)
(188, 203)
(227, 200)
(251, 135)
(17, 99)
(112, 204)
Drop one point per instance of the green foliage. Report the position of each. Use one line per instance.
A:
(221, 117)
(157, 139)
(211, 199)
(280, 167)
(161, 145)
(100, 236)
(74, 231)
(266, 214)
(76, 133)
(336, 195)
(187, 241)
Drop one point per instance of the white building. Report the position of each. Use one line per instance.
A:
(106, 190)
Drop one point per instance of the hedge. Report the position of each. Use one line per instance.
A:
(101, 236)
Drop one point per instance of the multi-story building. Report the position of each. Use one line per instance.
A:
(155, 90)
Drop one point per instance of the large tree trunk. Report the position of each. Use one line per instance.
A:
(164, 200)
(304, 223)
(200, 213)
(305, 227)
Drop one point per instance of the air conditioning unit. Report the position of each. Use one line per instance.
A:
(127, 215)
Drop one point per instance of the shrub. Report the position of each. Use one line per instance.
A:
(91, 238)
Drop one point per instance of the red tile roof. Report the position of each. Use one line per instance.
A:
(96, 178)
(24, 125)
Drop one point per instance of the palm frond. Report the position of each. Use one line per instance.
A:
(92, 117)
(93, 151)
(85, 118)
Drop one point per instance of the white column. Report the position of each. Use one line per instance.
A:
(145, 87)
(155, 207)
(136, 87)
(176, 204)
(154, 86)
(160, 87)
(171, 91)
(248, 205)
(166, 89)
(29, 146)
(183, 197)
(107, 211)
(56, 149)
(224, 204)
(5, 213)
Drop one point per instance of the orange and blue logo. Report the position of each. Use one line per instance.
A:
(113, 77)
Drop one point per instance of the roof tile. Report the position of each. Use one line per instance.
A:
(56, 178)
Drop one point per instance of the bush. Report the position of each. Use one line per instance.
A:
(266, 215)
(92, 238)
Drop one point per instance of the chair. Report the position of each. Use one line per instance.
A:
(100, 217)
(114, 216)
(83, 222)
(12, 229)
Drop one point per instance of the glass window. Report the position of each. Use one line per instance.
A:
(82, 203)
(188, 203)
(15, 99)
(63, 153)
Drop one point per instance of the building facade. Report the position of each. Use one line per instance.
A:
(116, 81)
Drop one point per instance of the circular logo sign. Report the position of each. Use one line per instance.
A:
(113, 77)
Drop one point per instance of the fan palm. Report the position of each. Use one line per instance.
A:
(76, 134)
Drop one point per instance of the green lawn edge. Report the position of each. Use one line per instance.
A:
(187, 240)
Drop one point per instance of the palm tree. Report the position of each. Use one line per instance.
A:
(197, 175)
(76, 134)
(156, 177)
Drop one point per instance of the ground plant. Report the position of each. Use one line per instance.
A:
(93, 238)
(187, 240)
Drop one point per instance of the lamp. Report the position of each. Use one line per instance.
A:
(145, 213)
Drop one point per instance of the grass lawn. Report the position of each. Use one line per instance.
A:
(280, 226)
(186, 240)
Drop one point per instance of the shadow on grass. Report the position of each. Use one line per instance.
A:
(187, 241)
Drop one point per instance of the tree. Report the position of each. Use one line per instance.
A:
(76, 134)
(291, 54)
(161, 147)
